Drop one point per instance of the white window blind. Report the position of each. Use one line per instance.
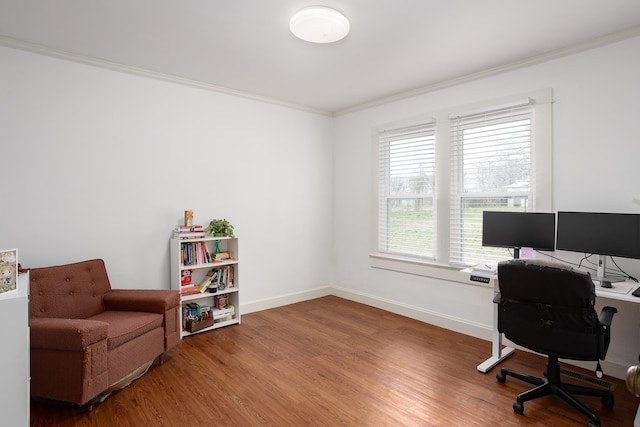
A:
(406, 187)
(491, 169)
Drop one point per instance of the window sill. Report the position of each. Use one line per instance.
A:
(427, 269)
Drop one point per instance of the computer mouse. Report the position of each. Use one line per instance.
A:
(605, 284)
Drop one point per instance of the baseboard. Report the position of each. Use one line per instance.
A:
(265, 304)
(452, 323)
(616, 369)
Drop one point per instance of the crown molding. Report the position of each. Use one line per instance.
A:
(95, 62)
(559, 53)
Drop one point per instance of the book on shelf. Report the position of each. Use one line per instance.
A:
(230, 271)
(189, 234)
(188, 228)
(189, 290)
(188, 231)
(224, 311)
(224, 314)
(207, 281)
(222, 255)
(207, 254)
(220, 282)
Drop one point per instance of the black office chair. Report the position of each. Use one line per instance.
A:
(549, 308)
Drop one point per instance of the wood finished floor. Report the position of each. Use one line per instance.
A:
(331, 362)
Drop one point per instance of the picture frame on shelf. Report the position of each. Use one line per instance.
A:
(8, 270)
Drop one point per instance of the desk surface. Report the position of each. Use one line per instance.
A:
(620, 291)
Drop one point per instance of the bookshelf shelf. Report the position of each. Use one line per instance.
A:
(192, 265)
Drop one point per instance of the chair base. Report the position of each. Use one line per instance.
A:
(551, 385)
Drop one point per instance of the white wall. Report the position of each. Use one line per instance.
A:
(596, 153)
(99, 163)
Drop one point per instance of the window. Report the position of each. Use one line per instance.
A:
(492, 169)
(406, 188)
(436, 176)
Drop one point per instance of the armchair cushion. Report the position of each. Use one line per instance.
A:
(164, 302)
(124, 326)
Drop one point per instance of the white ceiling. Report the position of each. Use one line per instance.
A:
(395, 48)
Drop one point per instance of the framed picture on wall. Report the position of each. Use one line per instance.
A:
(8, 270)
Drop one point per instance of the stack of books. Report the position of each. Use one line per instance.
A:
(188, 231)
(189, 289)
(224, 314)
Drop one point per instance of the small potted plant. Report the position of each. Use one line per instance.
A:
(220, 228)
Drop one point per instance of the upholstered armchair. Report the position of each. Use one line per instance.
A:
(88, 339)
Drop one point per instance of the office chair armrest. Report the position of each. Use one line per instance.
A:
(606, 315)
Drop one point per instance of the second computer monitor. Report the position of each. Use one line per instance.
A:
(614, 234)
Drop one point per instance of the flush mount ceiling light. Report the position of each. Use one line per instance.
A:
(319, 24)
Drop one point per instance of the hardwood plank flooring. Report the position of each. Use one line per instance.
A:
(331, 362)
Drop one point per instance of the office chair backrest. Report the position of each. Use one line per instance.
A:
(549, 308)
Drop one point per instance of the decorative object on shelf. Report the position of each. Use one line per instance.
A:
(8, 270)
(197, 325)
(186, 277)
(220, 228)
(188, 218)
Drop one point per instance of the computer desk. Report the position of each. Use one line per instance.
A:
(620, 291)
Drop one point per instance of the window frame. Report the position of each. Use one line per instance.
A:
(441, 267)
(405, 136)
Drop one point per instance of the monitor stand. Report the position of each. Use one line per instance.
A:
(600, 272)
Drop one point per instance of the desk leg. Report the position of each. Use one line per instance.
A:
(498, 354)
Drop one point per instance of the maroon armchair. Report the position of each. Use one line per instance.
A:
(88, 339)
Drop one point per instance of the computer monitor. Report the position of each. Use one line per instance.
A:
(602, 234)
(517, 230)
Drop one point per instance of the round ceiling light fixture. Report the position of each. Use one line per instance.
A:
(319, 24)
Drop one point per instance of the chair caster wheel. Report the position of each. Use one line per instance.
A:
(501, 377)
(593, 424)
(608, 402)
(518, 407)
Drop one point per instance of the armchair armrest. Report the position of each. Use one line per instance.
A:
(147, 300)
(66, 334)
(606, 316)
